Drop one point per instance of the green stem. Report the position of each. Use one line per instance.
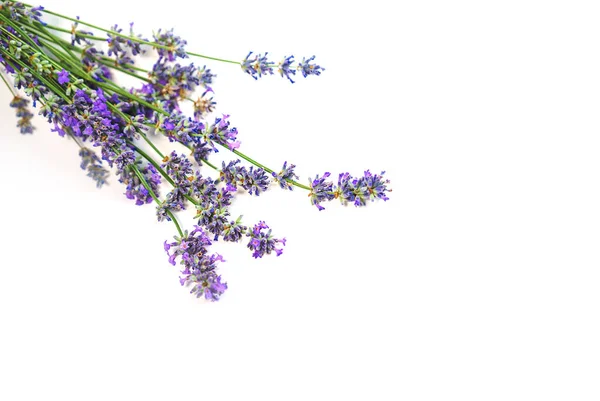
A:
(7, 85)
(62, 94)
(50, 85)
(132, 38)
(210, 165)
(135, 98)
(54, 39)
(83, 35)
(213, 58)
(153, 162)
(268, 170)
(153, 195)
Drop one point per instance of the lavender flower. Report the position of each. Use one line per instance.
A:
(205, 76)
(309, 69)
(63, 77)
(285, 68)
(321, 190)
(229, 172)
(120, 47)
(204, 105)
(286, 173)
(125, 159)
(204, 283)
(234, 231)
(199, 267)
(135, 188)
(213, 217)
(76, 34)
(174, 44)
(134, 47)
(24, 115)
(93, 165)
(255, 181)
(221, 133)
(34, 14)
(376, 186)
(83, 102)
(359, 190)
(178, 167)
(257, 66)
(344, 191)
(262, 242)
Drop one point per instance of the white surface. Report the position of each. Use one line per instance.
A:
(478, 280)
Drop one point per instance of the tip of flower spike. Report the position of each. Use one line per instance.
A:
(256, 66)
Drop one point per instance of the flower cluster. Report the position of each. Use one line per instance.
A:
(199, 268)
(349, 189)
(170, 46)
(123, 48)
(136, 189)
(73, 83)
(262, 242)
(258, 65)
(94, 167)
(286, 175)
(24, 115)
(254, 180)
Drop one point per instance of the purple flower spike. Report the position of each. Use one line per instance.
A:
(93, 165)
(321, 190)
(262, 242)
(309, 69)
(360, 190)
(286, 173)
(257, 66)
(286, 69)
(24, 115)
(175, 46)
(199, 268)
(63, 77)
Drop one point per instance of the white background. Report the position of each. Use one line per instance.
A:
(478, 280)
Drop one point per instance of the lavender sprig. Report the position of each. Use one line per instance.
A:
(73, 83)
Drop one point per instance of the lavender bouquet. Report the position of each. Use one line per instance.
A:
(69, 75)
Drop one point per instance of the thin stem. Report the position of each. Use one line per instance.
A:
(149, 142)
(132, 38)
(59, 91)
(24, 35)
(161, 171)
(122, 92)
(153, 195)
(54, 39)
(83, 35)
(210, 164)
(50, 85)
(153, 162)
(7, 85)
(212, 58)
(268, 170)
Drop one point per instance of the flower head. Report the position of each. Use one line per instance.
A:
(286, 173)
(93, 165)
(204, 105)
(135, 188)
(285, 68)
(306, 68)
(173, 46)
(262, 242)
(63, 77)
(24, 115)
(257, 66)
(199, 268)
(321, 190)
